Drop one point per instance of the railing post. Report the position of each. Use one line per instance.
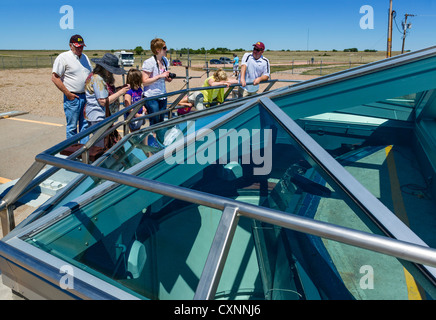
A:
(7, 218)
(6, 206)
(216, 259)
(187, 77)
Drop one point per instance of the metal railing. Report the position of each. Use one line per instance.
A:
(30, 180)
(415, 251)
(6, 211)
(210, 277)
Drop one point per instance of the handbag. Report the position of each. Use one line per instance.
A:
(111, 139)
(94, 152)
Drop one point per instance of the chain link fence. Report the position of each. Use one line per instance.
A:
(14, 62)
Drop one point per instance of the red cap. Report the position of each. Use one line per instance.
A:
(259, 45)
(77, 41)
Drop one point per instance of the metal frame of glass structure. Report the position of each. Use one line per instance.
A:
(297, 101)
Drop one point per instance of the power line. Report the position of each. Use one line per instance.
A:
(405, 27)
(394, 14)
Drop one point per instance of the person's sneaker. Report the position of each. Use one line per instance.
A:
(198, 103)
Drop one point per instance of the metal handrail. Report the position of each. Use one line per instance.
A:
(135, 107)
(413, 252)
(100, 130)
(340, 76)
(51, 274)
(210, 278)
(400, 249)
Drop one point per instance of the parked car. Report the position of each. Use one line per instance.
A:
(215, 61)
(176, 62)
(226, 60)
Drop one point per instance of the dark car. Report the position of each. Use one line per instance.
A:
(225, 60)
(176, 63)
(215, 61)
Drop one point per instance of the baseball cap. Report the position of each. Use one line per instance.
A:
(259, 45)
(77, 41)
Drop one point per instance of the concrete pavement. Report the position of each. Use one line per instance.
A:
(22, 137)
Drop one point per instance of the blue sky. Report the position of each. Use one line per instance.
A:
(280, 24)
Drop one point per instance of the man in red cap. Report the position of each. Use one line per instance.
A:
(70, 70)
(254, 69)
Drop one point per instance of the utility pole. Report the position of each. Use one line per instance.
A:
(405, 27)
(389, 49)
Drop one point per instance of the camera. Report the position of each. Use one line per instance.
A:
(172, 75)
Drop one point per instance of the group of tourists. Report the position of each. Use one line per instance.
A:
(90, 94)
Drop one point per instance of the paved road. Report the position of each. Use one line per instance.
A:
(22, 137)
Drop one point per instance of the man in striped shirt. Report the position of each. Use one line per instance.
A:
(254, 69)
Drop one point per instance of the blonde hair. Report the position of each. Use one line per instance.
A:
(156, 44)
(220, 75)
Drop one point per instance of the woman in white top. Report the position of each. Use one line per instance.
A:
(154, 74)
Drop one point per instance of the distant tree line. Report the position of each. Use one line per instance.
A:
(355, 50)
(139, 50)
(210, 51)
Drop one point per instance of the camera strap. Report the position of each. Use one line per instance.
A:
(157, 64)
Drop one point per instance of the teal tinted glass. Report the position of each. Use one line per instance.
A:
(139, 147)
(275, 263)
(145, 143)
(409, 100)
(157, 246)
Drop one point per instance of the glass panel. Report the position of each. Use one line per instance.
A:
(152, 246)
(251, 158)
(136, 149)
(386, 161)
(142, 145)
(274, 263)
(409, 100)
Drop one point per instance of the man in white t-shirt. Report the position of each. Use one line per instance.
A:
(254, 69)
(70, 70)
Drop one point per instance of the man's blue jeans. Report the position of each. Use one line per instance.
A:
(155, 106)
(74, 114)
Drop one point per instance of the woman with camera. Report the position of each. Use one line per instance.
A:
(154, 74)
